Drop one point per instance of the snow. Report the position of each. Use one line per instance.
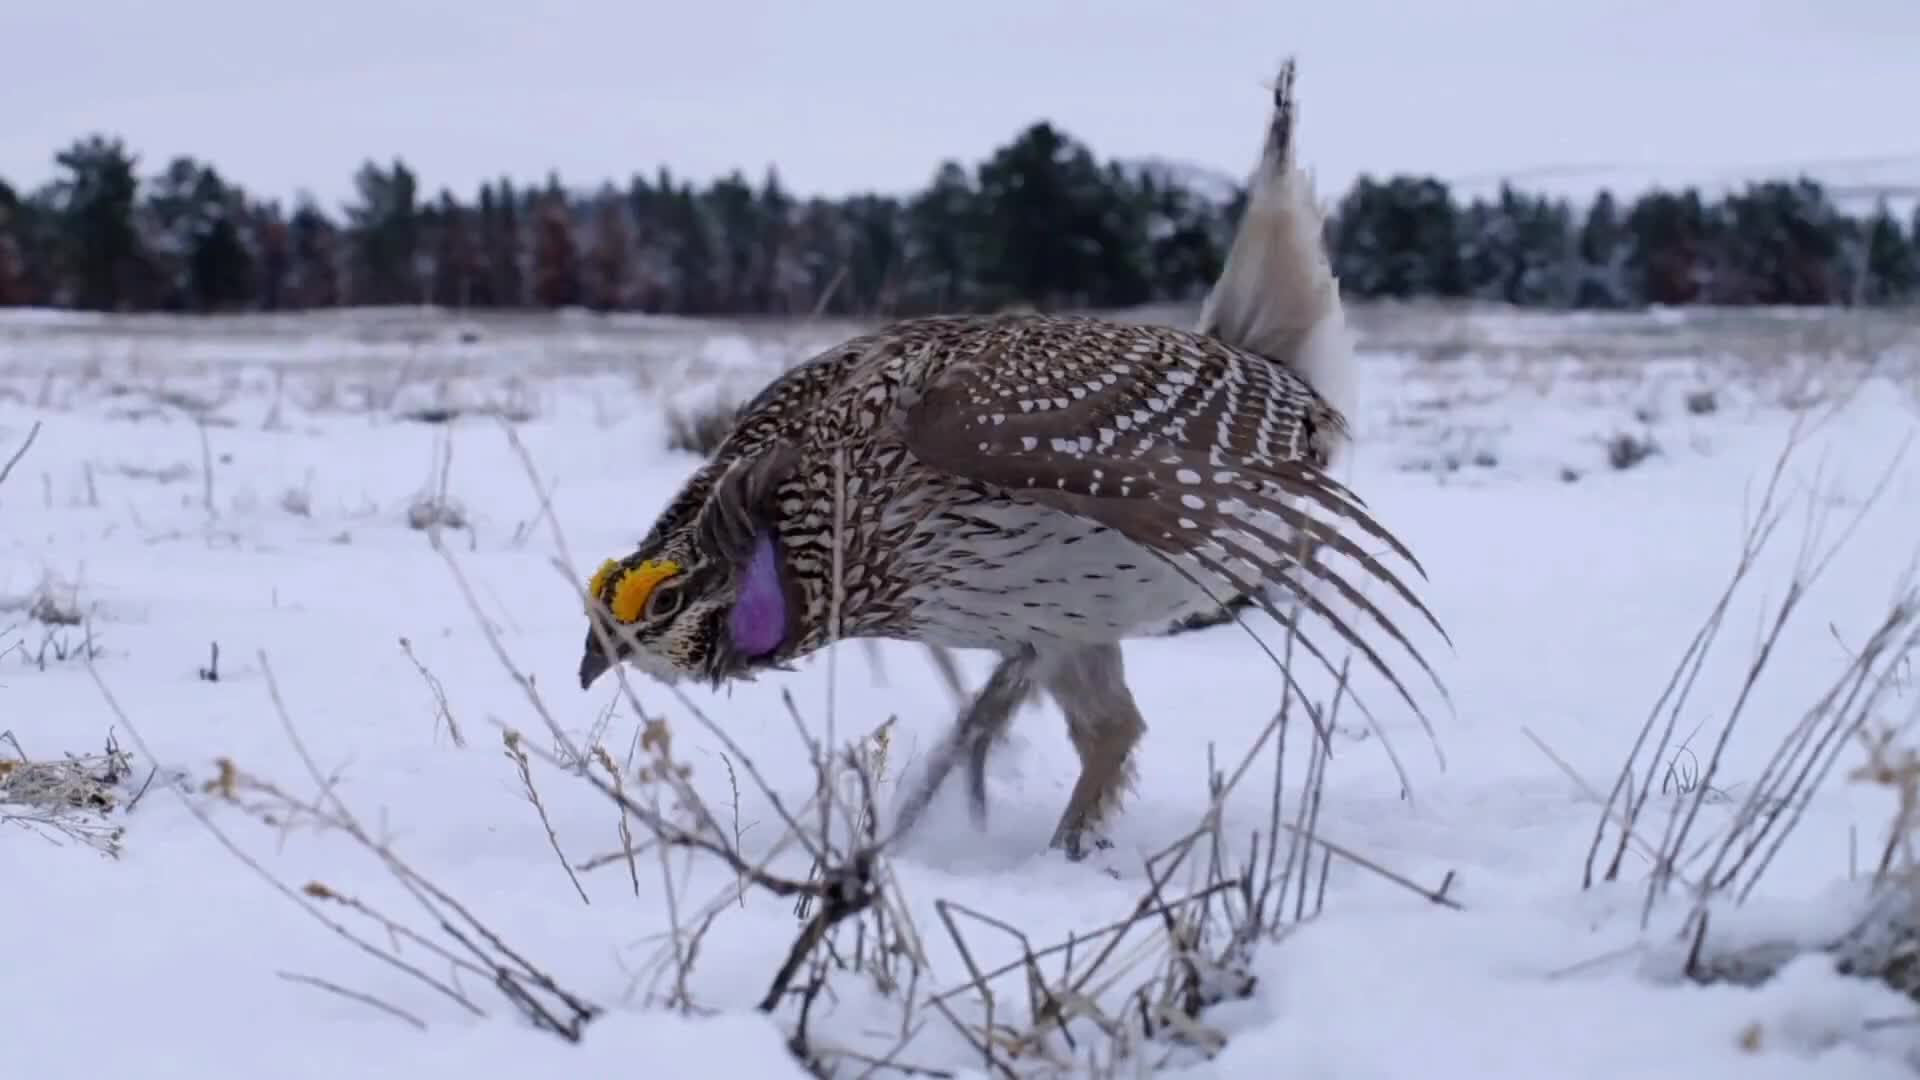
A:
(1568, 602)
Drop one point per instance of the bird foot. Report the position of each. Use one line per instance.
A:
(1077, 844)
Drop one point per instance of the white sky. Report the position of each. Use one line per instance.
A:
(846, 95)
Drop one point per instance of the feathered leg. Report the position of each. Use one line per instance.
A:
(983, 721)
(1090, 686)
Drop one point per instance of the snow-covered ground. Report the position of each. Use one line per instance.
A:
(252, 484)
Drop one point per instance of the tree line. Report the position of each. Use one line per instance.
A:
(1041, 222)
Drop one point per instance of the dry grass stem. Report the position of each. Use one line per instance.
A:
(518, 755)
(442, 711)
(14, 458)
(363, 998)
(66, 800)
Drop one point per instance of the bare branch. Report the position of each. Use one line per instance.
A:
(7, 469)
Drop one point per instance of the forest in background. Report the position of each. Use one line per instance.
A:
(1042, 222)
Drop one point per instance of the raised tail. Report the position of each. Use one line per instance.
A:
(1277, 295)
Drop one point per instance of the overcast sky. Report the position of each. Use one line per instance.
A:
(872, 94)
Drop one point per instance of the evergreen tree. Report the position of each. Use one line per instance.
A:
(14, 290)
(384, 232)
(504, 245)
(735, 216)
(1669, 235)
(1185, 250)
(652, 261)
(775, 269)
(457, 269)
(271, 255)
(698, 275)
(1486, 250)
(1544, 267)
(824, 240)
(1892, 261)
(1040, 222)
(942, 243)
(1400, 239)
(1779, 245)
(1124, 210)
(101, 262)
(219, 264)
(314, 249)
(1603, 248)
(556, 262)
(1042, 225)
(609, 284)
(875, 260)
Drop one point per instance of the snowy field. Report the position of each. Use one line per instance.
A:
(319, 856)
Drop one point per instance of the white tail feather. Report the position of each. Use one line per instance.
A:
(1277, 295)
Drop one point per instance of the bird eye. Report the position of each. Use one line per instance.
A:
(665, 602)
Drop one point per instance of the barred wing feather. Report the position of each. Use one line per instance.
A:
(1200, 452)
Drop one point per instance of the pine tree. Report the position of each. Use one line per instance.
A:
(1667, 261)
(875, 255)
(1544, 268)
(1400, 239)
(1780, 243)
(942, 243)
(556, 263)
(220, 266)
(772, 291)
(13, 264)
(651, 260)
(736, 221)
(456, 257)
(1040, 222)
(609, 284)
(1123, 209)
(1185, 253)
(314, 248)
(1043, 232)
(823, 242)
(1892, 271)
(1603, 257)
(1913, 233)
(697, 276)
(384, 230)
(272, 256)
(503, 244)
(102, 264)
(1486, 250)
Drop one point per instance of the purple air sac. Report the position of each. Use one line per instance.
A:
(758, 621)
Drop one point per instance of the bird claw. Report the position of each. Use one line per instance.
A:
(1076, 846)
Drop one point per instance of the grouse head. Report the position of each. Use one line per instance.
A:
(708, 596)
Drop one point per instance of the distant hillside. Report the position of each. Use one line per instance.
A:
(1856, 185)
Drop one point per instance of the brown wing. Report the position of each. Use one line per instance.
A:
(1182, 444)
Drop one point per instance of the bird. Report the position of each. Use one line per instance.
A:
(1044, 486)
